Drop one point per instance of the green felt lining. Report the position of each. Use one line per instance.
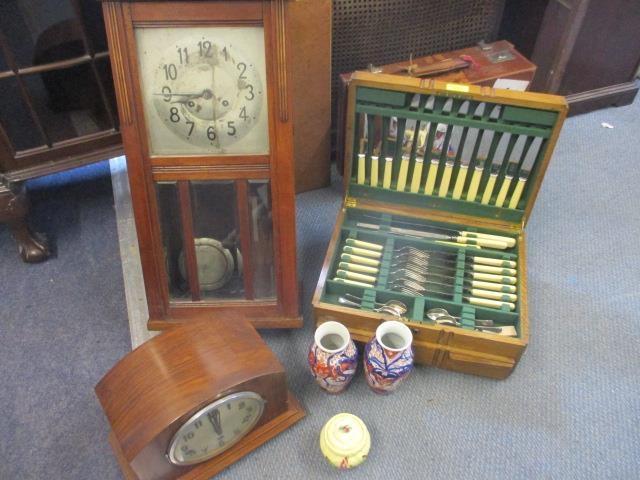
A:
(529, 123)
(417, 305)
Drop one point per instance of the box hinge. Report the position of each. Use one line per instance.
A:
(350, 202)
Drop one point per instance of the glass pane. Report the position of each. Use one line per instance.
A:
(104, 71)
(94, 25)
(3, 64)
(15, 117)
(264, 284)
(217, 239)
(68, 102)
(172, 239)
(40, 32)
(222, 259)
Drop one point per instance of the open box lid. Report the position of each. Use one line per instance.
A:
(453, 149)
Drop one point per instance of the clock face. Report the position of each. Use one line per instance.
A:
(215, 428)
(204, 90)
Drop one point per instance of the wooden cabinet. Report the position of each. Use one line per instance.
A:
(57, 101)
(587, 50)
(57, 109)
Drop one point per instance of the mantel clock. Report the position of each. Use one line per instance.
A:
(203, 91)
(191, 401)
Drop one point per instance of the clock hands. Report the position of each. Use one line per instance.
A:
(214, 418)
(206, 94)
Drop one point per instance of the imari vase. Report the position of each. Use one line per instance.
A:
(388, 357)
(333, 357)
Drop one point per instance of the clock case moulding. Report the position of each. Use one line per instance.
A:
(153, 390)
(145, 170)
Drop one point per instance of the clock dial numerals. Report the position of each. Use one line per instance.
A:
(204, 89)
(205, 49)
(170, 72)
(215, 428)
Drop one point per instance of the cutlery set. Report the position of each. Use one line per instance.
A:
(474, 279)
(441, 181)
(451, 159)
(435, 273)
(442, 235)
(438, 316)
(359, 263)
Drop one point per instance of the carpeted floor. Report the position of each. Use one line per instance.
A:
(570, 410)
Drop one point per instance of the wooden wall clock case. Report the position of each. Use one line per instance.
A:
(523, 133)
(167, 268)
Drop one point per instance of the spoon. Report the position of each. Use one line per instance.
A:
(435, 313)
(508, 331)
(383, 309)
(395, 307)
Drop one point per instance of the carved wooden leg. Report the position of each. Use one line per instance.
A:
(14, 207)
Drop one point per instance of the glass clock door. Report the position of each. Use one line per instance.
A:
(217, 239)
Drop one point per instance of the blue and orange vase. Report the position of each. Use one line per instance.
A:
(388, 357)
(333, 357)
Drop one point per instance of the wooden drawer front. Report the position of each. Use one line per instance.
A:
(475, 365)
(438, 346)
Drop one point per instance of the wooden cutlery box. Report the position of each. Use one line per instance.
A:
(440, 181)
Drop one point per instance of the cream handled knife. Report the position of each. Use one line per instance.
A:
(359, 277)
(417, 175)
(388, 170)
(496, 262)
(361, 169)
(363, 252)
(491, 269)
(431, 176)
(360, 260)
(354, 267)
(403, 173)
(491, 183)
(443, 189)
(374, 171)
(517, 191)
(465, 159)
(497, 287)
(506, 184)
(510, 241)
(352, 282)
(493, 295)
(475, 181)
(485, 302)
(481, 242)
(368, 245)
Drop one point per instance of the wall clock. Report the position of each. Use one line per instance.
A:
(191, 401)
(203, 97)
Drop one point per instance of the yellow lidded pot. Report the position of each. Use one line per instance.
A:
(345, 441)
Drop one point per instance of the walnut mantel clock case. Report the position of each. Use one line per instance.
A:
(190, 402)
(203, 96)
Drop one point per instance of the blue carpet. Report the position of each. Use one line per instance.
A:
(570, 410)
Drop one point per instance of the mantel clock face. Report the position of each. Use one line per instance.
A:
(215, 428)
(204, 89)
